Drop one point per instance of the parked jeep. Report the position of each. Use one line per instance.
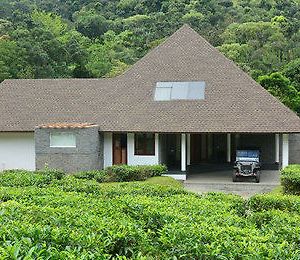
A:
(247, 164)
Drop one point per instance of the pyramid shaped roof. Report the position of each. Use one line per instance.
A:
(233, 101)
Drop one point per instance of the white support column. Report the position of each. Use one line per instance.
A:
(108, 149)
(183, 152)
(228, 147)
(276, 148)
(285, 150)
(188, 155)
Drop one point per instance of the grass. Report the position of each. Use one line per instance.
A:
(165, 181)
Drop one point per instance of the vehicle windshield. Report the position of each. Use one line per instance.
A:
(247, 155)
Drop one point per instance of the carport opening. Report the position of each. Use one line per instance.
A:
(213, 152)
(208, 152)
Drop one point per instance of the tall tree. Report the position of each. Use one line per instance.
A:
(281, 87)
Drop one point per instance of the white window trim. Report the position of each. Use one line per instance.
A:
(62, 146)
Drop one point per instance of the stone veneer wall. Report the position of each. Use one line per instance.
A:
(294, 148)
(87, 155)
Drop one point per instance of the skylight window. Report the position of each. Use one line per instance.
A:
(166, 91)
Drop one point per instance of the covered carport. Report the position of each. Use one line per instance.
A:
(217, 151)
(196, 154)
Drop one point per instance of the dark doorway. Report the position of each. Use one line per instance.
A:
(208, 148)
(199, 148)
(119, 149)
(170, 145)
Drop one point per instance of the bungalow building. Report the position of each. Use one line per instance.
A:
(183, 104)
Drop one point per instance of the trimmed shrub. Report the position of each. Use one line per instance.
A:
(52, 173)
(123, 173)
(155, 170)
(23, 178)
(290, 179)
(101, 176)
(265, 202)
(98, 175)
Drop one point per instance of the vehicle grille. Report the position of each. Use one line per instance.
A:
(246, 168)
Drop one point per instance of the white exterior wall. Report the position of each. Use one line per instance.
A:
(141, 159)
(108, 150)
(17, 151)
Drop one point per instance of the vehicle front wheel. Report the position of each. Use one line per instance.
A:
(234, 177)
(257, 177)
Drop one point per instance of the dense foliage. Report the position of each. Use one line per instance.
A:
(121, 173)
(290, 179)
(71, 218)
(92, 38)
(263, 202)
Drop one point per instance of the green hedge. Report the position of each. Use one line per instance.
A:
(264, 202)
(43, 178)
(123, 173)
(23, 178)
(290, 179)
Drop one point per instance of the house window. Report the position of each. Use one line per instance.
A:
(144, 144)
(63, 139)
(190, 90)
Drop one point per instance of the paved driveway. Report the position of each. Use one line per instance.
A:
(221, 181)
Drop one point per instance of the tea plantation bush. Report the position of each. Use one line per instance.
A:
(121, 173)
(22, 178)
(290, 179)
(263, 202)
(72, 218)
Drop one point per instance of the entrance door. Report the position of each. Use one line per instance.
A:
(119, 149)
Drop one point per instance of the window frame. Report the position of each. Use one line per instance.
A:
(62, 146)
(144, 151)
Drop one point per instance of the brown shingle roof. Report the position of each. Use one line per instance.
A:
(234, 102)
